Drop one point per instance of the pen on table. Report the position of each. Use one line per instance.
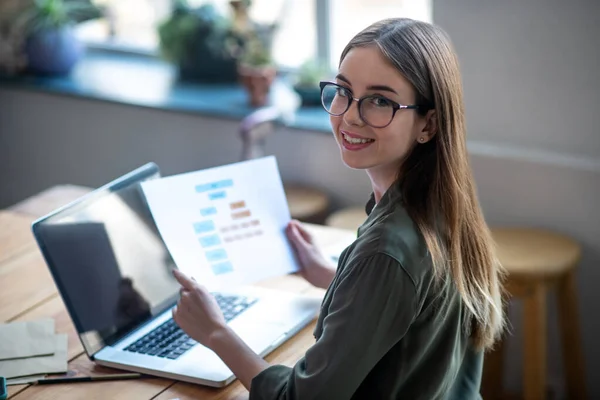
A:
(74, 379)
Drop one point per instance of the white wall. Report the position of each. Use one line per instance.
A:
(530, 70)
(531, 87)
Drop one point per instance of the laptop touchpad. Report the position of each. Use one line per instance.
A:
(258, 336)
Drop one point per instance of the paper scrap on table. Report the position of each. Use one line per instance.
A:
(225, 225)
(56, 363)
(27, 339)
(24, 380)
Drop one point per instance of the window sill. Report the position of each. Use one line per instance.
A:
(143, 81)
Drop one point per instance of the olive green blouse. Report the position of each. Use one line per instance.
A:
(387, 329)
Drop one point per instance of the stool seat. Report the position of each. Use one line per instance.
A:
(347, 218)
(306, 204)
(535, 253)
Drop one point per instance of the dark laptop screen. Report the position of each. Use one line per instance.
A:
(109, 262)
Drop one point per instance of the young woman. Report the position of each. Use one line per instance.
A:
(416, 299)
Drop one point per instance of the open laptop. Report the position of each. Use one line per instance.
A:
(114, 274)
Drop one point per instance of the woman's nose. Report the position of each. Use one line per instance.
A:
(352, 115)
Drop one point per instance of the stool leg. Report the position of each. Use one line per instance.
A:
(534, 343)
(571, 337)
(493, 373)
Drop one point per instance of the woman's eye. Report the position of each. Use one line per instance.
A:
(380, 102)
(340, 91)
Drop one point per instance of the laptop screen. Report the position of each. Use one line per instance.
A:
(109, 262)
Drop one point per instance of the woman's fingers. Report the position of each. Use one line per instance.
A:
(190, 289)
(302, 230)
(197, 301)
(184, 280)
(200, 295)
(306, 236)
(298, 238)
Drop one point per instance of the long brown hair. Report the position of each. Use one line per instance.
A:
(437, 185)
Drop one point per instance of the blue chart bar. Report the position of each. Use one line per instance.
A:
(225, 183)
(222, 268)
(207, 212)
(217, 195)
(216, 255)
(208, 241)
(204, 226)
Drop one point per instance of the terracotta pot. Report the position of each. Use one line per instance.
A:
(257, 81)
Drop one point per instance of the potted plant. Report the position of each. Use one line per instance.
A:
(50, 45)
(256, 70)
(307, 82)
(200, 42)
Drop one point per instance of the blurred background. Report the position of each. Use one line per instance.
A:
(91, 90)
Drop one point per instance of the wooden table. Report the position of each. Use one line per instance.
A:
(27, 292)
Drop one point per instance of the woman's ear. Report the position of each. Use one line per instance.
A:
(430, 128)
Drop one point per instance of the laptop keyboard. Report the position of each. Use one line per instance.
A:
(169, 341)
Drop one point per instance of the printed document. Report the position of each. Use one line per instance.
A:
(225, 225)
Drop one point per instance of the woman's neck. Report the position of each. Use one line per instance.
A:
(381, 182)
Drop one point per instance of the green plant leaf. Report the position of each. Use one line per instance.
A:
(54, 14)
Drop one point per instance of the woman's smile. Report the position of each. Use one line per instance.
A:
(354, 142)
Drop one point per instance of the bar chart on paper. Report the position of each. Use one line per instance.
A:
(226, 224)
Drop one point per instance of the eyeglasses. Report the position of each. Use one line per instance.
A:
(375, 110)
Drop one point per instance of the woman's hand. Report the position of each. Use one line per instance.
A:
(199, 315)
(197, 311)
(314, 267)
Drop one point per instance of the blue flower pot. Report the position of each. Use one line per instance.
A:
(53, 51)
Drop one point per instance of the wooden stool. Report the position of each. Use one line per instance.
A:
(538, 261)
(347, 218)
(306, 204)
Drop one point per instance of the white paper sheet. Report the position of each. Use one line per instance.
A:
(225, 225)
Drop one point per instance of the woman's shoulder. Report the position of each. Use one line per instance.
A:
(394, 234)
